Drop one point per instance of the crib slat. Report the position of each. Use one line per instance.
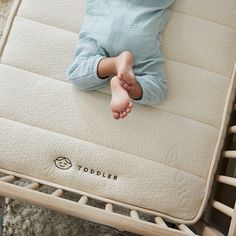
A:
(8, 178)
(160, 221)
(226, 180)
(134, 214)
(232, 129)
(185, 229)
(232, 227)
(83, 200)
(223, 208)
(33, 186)
(2, 205)
(229, 154)
(58, 193)
(109, 207)
(94, 214)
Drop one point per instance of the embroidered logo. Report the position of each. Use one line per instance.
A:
(63, 163)
(98, 173)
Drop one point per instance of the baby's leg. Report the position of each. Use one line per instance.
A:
(91, 69)
(153, 82)
(83, 71)
(122, 66)
(154, 89)
(150, 80)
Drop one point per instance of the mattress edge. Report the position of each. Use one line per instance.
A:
(222, 130)
(8, 25)
(219, 144)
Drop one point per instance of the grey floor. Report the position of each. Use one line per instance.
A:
(22, 219)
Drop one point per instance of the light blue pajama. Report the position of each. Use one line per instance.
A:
(113, 26)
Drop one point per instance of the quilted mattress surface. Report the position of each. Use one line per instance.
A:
(160, 158)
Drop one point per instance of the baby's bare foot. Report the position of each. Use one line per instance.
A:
(121, 103)
(124, 66)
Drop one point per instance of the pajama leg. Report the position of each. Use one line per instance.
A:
(83, 71)
(151, 78)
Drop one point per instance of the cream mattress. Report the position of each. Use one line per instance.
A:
(160, 158)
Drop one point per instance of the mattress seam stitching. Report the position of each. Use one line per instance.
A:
(44, 24)
(155, 108)
(77, 33)
(195, 66)
(203, 18)
(113, 149)
(174, 11)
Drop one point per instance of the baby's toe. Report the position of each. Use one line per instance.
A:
(116, 115)
(128, 110)
(124, 113)
(130, 105)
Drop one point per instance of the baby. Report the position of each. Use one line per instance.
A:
(120, 41)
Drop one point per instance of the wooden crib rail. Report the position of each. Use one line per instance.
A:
(133, 222)
(231, 212)
(107, 215)
(30, 193)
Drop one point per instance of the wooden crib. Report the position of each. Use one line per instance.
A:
(219, 216)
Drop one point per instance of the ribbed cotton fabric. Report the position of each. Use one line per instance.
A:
(112, 27)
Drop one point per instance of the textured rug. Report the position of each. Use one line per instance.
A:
(22, 219)
(4, 9)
